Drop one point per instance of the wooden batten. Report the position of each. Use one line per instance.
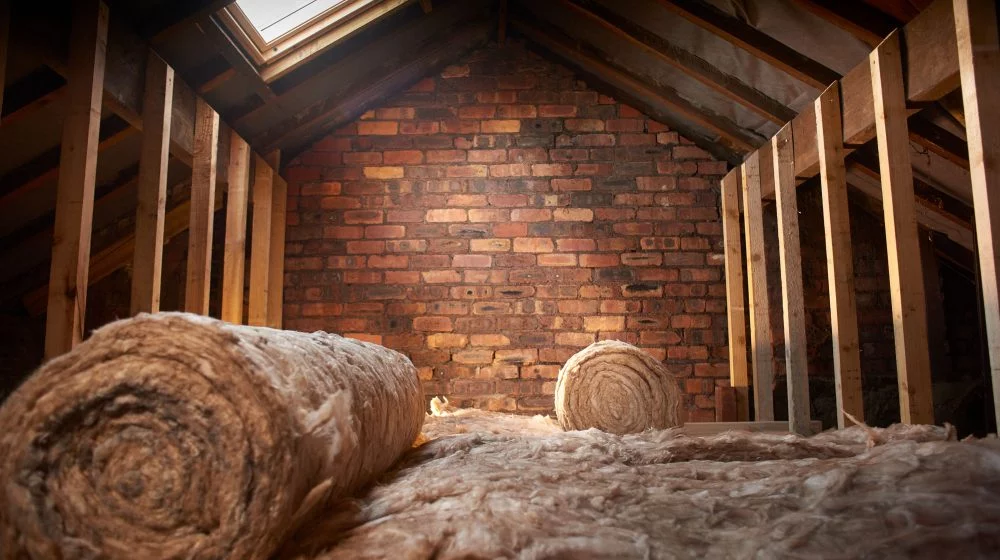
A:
(906, 283)
(152, 185)
(754, 170)
(234, 256)
(979, 63)
(260, 243)
(203, 176)
(276, 272)
(839, 257)
(736, 313)
(793, 301)
(67, 294)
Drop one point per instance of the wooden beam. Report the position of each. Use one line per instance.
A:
(730, 135)
(34, 106)
(426, 6)
(236, 230)
(329, 39)
(839, 257)
(865, 22)
(979, 60)
(793, 300)
(233, 54)
(753, 41)
(906, 284)
(276, 274)
(688, 63)
(67, 296)
(4, 47)
(152, 185)
(736, 313)
(203, 176)
(169, 17)
(938, 140)
(755, 169)
(260, 243)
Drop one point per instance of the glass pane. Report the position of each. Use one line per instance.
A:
(274, 18)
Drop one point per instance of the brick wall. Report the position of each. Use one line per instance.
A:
(496, 218)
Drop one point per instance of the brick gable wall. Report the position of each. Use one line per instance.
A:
(499, 216)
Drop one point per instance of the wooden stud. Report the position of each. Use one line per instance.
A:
(906, 283)
(67, 297)
(839, 257)
(793, 301)
(736, 313)
(4, 46)
(203, 175)
(260, 243)
(979, 65)
(234, 256)
(754, 169)
(152, 185)
(276, 274)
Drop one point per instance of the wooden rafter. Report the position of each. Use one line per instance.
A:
(663, 100)
(233, 54)
(756, 42)
(693, 66)
(857, 18)
(67, 294)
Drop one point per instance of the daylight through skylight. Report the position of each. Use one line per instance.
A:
(274, 18)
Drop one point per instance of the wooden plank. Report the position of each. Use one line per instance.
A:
(906, 284)
(203, 176)
(793, 300)
(839, 258)
(260, 243)
(979, 59)
(152, 186)
(236, 230)
(4, 47)
(331, 38)
(67, 295)
(736, 313)
(276, 274)
(756, 168)
(688, 63)
(707, 429)
(753, 41)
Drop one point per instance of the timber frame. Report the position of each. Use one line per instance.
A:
(875, 100)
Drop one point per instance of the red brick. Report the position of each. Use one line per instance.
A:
(513, 229)
(567, 245)
(531, 215)
(574, 339)
(388, 261)
(571, 184)
(326, 188)
(471, 261)
(501, 126)
(407, 246)
(363, 217)
(384, 172)
(528, 155)
(447, 215)
(597, 260)
(487, 156)
(403, 157)
(343, 232)
(447, 340)
(557, 260)
(533, 245)
(441, 276)
(551, 169)
(404, 216)
(517, 111)
(395, 113)
(477, 111)
(508, 200)
(584, 125)
(473, 357)
(604, 323)
(321, 309)
(467, 171)
(624, 125)
(496, 97)
(556, 110)
(365, 247)
(488, 215)
(573, 215)
(342, 261)
(380, 128)
(339, 203)
(362, 158)
(445, 156)
(521, 356)
(467, 200)
(510, 170)
(435, 324)
(385, 232)
(489, 340)
(594, 140)
(401, 277)
(419, 127)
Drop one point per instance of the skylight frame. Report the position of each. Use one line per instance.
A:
(308, 36)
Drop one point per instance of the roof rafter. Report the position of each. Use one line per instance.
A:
(866, 23)
(690, 64)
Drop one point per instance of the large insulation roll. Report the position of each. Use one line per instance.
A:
(616, 387)
(175, 435)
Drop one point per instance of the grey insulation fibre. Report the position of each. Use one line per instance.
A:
(178, 436)
(480, 489)
(617, 388)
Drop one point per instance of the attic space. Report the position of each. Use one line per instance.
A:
(366, 278)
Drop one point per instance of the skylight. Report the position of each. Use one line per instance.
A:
(274, 18)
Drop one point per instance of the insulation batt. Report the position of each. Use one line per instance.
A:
(616, 387)
(900, 492)
(179, 436)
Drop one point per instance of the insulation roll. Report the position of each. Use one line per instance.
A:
(616, 387)
(175, 435)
